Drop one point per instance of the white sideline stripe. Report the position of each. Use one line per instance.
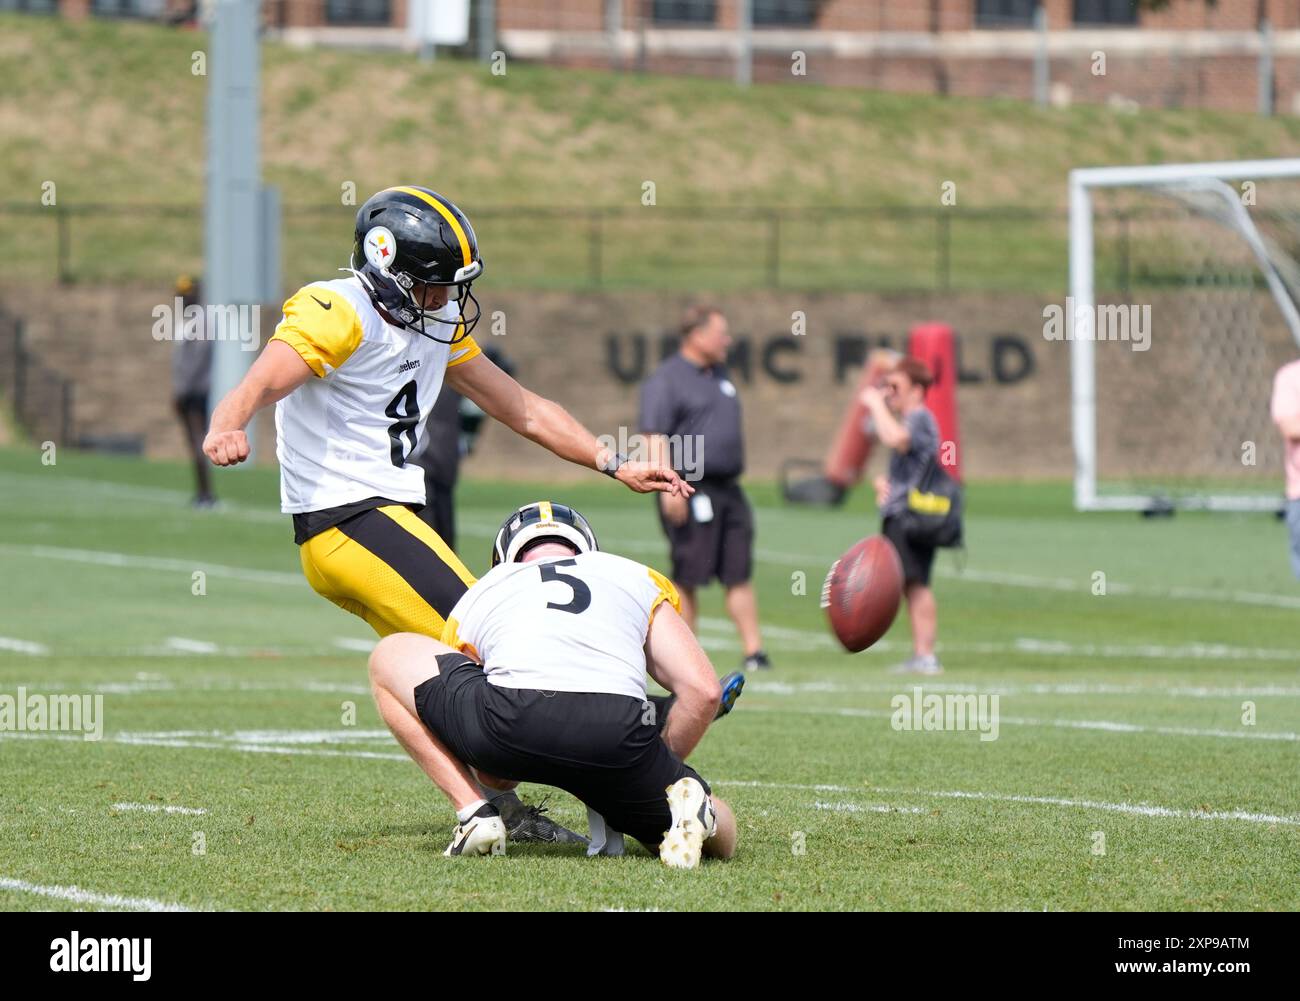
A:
(1145, 810)
(1110, 726)
(347, 736)
(124, 561)
(865, 808)
(177, 499)
(942, 686)
(77, 895)
(146, 687)
(779, 688)
(717, 633)
(189, 811)
(996, 577)
(185, 645)
(1135, 809)
(1083, 587)
(357, 645)
(23, 646)
(208, 745)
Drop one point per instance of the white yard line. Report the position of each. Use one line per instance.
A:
(865, 808)
(76, 895)
(125, 561)
(1137, 809)
(188, 811)
(1110, 726)
(1134, 809)
(23, 646)
(758, 685)
(183, 644)
(1081, 586)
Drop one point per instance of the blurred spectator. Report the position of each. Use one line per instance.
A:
(191, 381)
(449, 436)
(1286, 415)
(902, 423)
(689, 399)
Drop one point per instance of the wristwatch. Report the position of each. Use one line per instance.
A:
(612, 464)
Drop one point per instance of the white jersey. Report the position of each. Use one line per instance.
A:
(562, 624)
(348, 435)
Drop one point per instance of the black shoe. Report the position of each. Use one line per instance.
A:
(757, 661)
(528, 826)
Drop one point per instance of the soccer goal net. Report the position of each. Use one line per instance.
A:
(1183, 304)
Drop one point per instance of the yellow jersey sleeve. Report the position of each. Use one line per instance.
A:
(463, 351)
(667, 591)
(322, 326)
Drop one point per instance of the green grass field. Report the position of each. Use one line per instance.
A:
(1119, 713)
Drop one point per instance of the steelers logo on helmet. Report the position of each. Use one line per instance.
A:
(380, 247)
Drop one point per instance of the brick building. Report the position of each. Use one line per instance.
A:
(1190, 53)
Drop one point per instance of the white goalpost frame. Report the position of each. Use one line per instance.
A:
(1083, 376)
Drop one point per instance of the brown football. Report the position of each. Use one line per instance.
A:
(862, 592)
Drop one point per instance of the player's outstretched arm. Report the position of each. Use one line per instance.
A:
(551, 426)
(278, 371)
(675, 660)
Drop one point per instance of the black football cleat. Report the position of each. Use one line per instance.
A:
(529, 826)
(757, 661)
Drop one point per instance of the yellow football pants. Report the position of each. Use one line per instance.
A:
(390, 568)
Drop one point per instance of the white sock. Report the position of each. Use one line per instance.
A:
(465, 813)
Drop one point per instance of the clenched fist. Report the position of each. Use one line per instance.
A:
(225, 448)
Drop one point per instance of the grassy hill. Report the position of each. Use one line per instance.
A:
(111, 112)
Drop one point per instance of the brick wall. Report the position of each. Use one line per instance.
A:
(588, 351)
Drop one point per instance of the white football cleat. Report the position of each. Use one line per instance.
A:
(694, 822)
(480, 835)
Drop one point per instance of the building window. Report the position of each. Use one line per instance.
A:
(31, 6)
(785, 13)
(685, 11)
(1105, 12)
(1004, 13)
(358, 11)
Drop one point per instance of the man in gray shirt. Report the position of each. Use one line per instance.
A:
(903, 423)
(691, 410)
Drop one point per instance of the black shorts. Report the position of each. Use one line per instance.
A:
(721, 547)
(917, 560)
(603, 749)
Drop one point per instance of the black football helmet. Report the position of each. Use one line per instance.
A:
(409, 237)
(541, 521)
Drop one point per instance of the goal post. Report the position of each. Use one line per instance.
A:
(1224, 294)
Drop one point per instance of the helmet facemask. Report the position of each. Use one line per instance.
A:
(401, 295)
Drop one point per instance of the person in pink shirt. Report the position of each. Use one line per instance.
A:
(1286, 415)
